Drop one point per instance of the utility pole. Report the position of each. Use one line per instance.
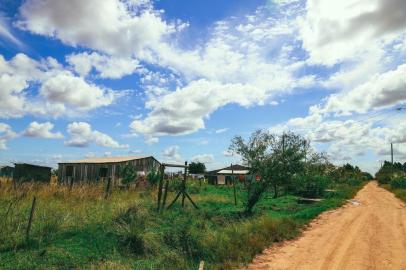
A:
(391, 152)
(305, 150)
(283, 143)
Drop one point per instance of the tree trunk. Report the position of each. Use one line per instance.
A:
(275, 190)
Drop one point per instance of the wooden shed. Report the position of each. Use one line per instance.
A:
(224, 176)
(94, 169)
(24, 172)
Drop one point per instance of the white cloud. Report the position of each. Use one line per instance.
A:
(6, 33)
(241, 63)
(82, 135)
(65, 88)
(112, 26)
(221, 130)
(151, 140)
(203, 158)
(41, 130)
(60, 92)
(334, 31)
(172, 153)
(6, 133)
(106, 66)
(381, 91)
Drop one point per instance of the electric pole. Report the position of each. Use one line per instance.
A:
(391, 152)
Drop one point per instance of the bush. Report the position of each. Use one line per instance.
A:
(354, 181)
(383, 178)
(399, 182)
(153, 178)
(311, 186)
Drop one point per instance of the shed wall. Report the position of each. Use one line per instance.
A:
(89, 172)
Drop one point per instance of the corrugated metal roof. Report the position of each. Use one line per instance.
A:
(233, 172)
(105, 159)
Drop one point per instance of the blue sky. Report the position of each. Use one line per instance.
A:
(178, 79)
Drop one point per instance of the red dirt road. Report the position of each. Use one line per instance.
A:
(369, 235)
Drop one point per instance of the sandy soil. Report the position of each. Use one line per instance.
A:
(368, 235)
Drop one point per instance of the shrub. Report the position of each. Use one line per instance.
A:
(311, 186)
(130, 227)
(399, 182)
(128, 174)
(355, 181)
(383, 178)
(153, 178)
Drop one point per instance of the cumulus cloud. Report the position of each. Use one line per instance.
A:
(82, 135)
(60, 91)
(6, 133)
(65, 88)
(112, 26)
(172, 153)
(343, 30)
(241, 63)
(41, 130)
(106, 66)
(203, 158)
(381, 91)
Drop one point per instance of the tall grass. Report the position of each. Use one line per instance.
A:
(80, 229)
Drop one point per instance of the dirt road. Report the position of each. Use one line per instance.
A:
(368, 235)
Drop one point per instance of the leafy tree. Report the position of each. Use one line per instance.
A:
(128, 174)
(254, 153)
(275, 158)
(286, 160)
(197, 168)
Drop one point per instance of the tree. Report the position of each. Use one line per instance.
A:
(254, 153)
(275, 158)
(286, 160)
(197, 168)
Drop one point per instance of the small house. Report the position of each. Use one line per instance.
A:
(224, 176)
(94, 169)
(24, 172)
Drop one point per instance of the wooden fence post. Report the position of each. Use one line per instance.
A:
(201, 265)
(108, 188)
(235, 192)
(184, 185)
(27, 232)
(165, 194)
(160, 185)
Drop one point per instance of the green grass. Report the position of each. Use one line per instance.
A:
(399, 192)
(81, 230)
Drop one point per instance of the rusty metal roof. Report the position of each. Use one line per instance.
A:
(105, 159)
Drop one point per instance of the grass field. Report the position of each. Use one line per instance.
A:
(82, 230)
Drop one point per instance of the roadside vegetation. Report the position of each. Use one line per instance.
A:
(79, 228)
(393, 178)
